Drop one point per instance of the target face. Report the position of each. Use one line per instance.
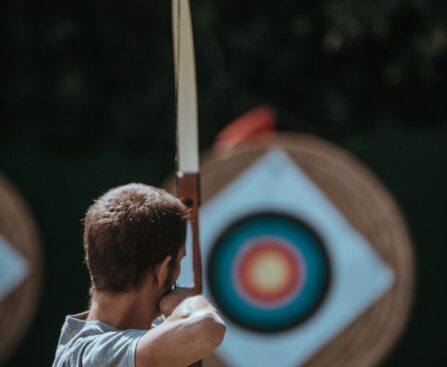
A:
(279, 272)
(288, 271)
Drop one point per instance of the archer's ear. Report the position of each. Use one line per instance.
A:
(161, 271)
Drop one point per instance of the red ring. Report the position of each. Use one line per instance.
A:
(252, 254)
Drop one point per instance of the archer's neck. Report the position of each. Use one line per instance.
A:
(130, 310)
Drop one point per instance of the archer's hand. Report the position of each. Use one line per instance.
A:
(170, 301)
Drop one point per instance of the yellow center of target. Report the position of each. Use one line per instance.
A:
(269, 272)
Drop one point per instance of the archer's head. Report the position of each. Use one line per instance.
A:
(133, 231)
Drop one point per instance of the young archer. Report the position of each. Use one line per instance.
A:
(134, 240)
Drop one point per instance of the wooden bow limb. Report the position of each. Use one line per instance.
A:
(188, 176)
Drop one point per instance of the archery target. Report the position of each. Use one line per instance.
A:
(279, 272)
(20, 268)
(349, 282)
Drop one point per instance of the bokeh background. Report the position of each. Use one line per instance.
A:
(88, 103)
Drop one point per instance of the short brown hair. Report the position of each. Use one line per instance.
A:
(127, 231)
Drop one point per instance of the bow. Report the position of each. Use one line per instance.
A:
(188, 177)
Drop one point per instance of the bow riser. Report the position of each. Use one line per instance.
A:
(188, 186)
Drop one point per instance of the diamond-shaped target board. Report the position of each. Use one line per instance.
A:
(306, 256)
(20, 267)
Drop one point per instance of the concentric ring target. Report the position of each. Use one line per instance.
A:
(365, 303)
(268, 272)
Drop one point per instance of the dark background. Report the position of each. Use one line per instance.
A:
(88, 103)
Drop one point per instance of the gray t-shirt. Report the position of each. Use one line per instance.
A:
(95, 344)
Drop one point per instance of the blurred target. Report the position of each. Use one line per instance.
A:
(279, 272)
(306, 255)
(20, 268)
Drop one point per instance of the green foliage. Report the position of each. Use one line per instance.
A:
(336, 65)
(88, 74)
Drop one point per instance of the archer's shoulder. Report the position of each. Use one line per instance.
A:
(90, 343)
